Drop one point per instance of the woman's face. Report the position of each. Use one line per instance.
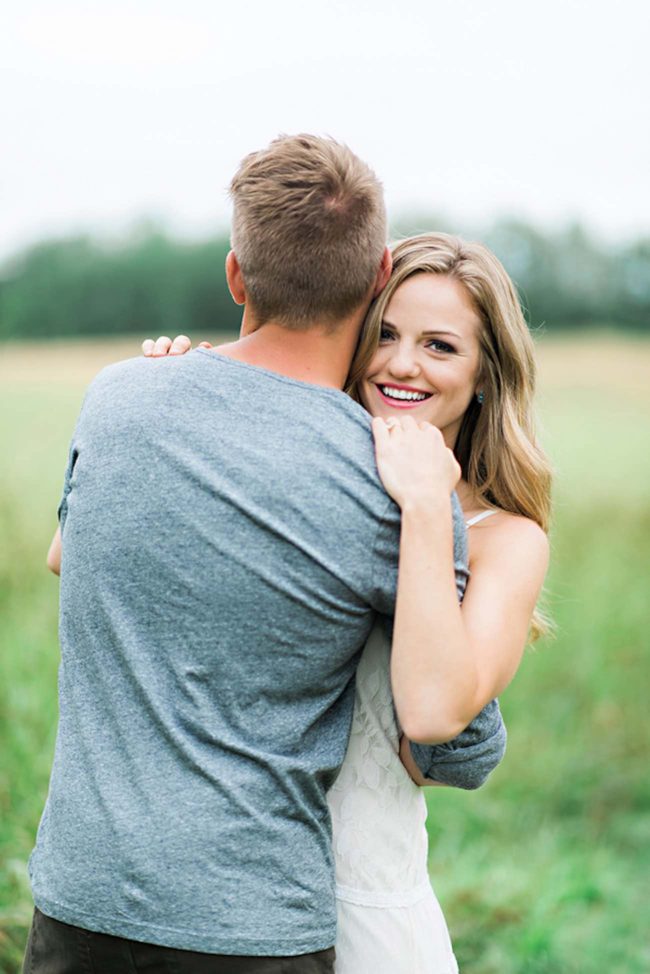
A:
(426, 365)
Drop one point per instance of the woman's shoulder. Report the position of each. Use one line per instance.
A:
(505, 533)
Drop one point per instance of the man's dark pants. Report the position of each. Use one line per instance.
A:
(58, 948)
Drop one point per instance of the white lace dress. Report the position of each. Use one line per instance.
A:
(389, 920)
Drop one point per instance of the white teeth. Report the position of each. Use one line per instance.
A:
(403, 394)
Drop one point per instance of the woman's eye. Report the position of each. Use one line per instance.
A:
(439, 346)
(385, 335)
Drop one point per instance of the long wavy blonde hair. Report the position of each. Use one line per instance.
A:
(496, 446)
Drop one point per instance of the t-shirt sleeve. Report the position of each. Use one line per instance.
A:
(73, 455)
(461, 569)
(383, 562)
(466, 761)
(62, 511)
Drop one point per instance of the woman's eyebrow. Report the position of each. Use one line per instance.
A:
(441, 331)
(429, 332)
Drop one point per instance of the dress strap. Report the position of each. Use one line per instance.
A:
(479, 517)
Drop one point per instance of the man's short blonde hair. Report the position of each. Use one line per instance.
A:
(308, 231)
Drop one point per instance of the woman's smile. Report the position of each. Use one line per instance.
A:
(400, 396)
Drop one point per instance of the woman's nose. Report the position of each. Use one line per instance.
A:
(403, 363)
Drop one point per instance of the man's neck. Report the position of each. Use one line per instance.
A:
(317, 354)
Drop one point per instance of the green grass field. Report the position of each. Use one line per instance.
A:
(544, 870)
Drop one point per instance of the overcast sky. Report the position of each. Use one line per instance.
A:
(469, 108)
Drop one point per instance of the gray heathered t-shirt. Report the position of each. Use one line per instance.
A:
(226, 541)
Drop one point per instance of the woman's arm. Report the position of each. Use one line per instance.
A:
(447, 664)
(54, 554)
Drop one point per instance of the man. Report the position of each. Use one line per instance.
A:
(226, 544)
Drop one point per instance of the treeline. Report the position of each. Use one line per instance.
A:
(152, 284)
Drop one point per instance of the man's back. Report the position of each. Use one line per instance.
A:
(225, 536)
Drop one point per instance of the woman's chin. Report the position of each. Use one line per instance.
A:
(421, 413)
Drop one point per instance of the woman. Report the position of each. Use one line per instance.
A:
(444, 364)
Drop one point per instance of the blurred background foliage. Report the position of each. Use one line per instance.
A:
(148, 283)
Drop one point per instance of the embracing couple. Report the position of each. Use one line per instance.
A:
(225, 795)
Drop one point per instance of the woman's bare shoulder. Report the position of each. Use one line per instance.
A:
(513, 534)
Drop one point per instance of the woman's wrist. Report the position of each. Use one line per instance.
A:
(426, 504)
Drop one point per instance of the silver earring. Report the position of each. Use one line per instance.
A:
(479, 398)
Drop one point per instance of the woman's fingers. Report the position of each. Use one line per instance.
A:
(165, 346)
(161, 346)
(407, 424)
(381, 431)
(180, 345)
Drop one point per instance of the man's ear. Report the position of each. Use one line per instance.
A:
(384, 272)
(235, 279)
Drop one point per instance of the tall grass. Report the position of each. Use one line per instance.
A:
(542, 871)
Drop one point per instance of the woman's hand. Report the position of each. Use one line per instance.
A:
(413, 461)
(165, 346)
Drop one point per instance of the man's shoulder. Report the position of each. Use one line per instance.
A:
(134, 380)
(118, 373)
(127, 388)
